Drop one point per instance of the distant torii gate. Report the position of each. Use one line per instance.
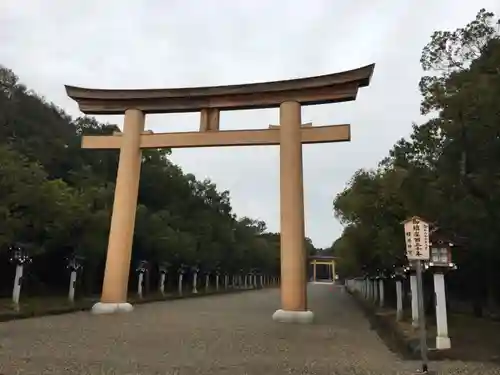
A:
(209, 101)
(323, 260)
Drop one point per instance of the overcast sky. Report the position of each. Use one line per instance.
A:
(174, 43)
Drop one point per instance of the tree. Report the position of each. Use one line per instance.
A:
(57, 198)
(447, 171)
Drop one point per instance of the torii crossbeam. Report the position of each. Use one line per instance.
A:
(289, 96)
(257, 137)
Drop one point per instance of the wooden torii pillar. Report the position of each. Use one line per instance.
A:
(289, 96)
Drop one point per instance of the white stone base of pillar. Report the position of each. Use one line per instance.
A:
(284, 316)
(443, 343)
(101, 308)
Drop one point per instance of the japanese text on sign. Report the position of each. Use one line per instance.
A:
(417, 239)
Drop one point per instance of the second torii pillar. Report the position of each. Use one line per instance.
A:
(293, 255)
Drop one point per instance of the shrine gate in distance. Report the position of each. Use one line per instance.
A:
(327, 264)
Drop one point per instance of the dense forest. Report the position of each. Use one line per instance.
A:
(56, 200)
(447, 172)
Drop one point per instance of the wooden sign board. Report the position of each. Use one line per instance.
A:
(417, 239)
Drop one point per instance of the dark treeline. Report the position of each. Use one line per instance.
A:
(447, 172)
(56, 200)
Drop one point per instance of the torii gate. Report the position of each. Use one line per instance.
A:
(323, 260)
(209, 101)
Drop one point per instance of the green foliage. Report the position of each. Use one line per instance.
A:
(448, 171)
(57, 198)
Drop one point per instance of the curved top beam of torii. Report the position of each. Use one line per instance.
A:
(331, 88)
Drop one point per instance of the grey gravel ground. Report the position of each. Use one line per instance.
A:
(227, 334)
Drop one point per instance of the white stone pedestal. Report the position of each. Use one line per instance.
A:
(442, 338)
(381, 293)
(195, 283)
(101, 308)
(443, 343)
(162, 282)
(16, 291)
(181, 276)
(303, 317)
(139, 284)
(72, 282)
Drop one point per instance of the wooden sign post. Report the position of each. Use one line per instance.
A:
(417, 250)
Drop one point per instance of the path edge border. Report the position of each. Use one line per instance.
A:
(7, 317)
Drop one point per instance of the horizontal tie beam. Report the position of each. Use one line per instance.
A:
(326, 263)
(306, 125)
(259, 137)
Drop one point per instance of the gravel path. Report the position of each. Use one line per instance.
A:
(227, 334)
